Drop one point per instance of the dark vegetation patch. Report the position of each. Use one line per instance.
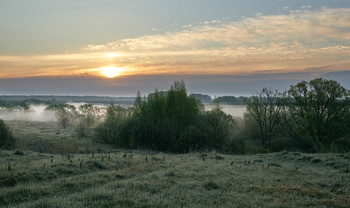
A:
(18, 152)
(317, 160)
(211, 185)
(218, 157)
(7, 181)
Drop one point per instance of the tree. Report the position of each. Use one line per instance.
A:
(65, 113)
(317, 113)
(110, 130)
(7, 141)
(181, 109)
(264, 114)
(217, 128)
(86, 120)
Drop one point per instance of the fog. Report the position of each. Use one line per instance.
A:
(36, 113)
(233, 110)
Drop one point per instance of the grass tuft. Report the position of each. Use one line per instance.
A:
(211, 185)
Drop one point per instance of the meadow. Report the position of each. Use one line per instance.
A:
(50, 167)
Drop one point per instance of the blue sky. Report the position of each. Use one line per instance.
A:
(218, 47)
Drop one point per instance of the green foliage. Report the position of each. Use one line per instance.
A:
(110, 131)
(317, 113)
(168, 121)
(217, 128)
(162, 120)
(7, 141)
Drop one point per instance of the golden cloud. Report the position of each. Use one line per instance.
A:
(294, 42)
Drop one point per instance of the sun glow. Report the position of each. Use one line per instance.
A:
(111, 55)
(110, 71)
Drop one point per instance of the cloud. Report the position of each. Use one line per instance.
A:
(315, 26)
(306, 7)
(297, 41)
(286, 8)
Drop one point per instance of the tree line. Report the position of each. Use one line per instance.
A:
(314, 115)
(310, 116)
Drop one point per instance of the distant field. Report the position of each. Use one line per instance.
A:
(78, 173)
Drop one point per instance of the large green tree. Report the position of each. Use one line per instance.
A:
(317, 113)
(164, 117)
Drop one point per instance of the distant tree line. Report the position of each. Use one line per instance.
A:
(205, 99)
(231, 100)
(13, 100)
(54, 99)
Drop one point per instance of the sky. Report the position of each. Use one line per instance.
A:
(117, 47)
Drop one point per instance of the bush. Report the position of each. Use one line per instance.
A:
(7, 141)
(110, 130)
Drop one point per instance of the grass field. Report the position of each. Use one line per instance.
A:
(66, 172)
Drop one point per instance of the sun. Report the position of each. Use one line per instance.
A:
(110, 71)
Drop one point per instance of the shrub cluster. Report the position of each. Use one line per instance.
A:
(7, 141)
(167, 121)
(84, 118)
(315, 115)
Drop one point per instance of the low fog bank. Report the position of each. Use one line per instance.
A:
(36, 113)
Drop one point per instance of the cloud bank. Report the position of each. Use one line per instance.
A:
(304, 42)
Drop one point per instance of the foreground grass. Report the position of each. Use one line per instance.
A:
(58, 170)
(193, 180)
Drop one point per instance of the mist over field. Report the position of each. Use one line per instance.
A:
(36, 113)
